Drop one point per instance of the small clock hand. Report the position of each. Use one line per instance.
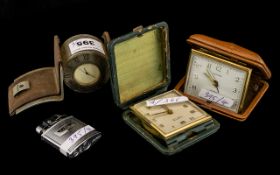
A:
(215, 82)
(153, 114)
(82, 71)
(210, 76)
(86, 72)
(217, 87)
(168, 110)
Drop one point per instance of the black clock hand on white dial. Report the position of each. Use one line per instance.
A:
(89, 73)
(210, 76)
(86, 72)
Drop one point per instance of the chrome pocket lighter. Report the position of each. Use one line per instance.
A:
(68, 134)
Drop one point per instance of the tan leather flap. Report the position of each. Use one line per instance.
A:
(230, 50)
(37, 86)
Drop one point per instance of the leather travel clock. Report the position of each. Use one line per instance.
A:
(224, 77)
(217, 80)
(85, 63)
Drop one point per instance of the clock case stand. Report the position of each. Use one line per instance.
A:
(38, 86)
(148, 77)
(258, 84)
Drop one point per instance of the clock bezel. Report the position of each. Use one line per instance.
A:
(72, 64)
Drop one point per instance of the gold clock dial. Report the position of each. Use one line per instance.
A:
(87, 74)
(170, 119)
(218, 80)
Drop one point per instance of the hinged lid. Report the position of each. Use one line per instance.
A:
(230, 50)
(37, 86)
(140, 63)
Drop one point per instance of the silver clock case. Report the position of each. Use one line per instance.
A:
(68, 134)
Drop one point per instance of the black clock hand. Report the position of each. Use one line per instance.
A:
(82, 71)
(86, 72)
(217, 86)
(210, 76)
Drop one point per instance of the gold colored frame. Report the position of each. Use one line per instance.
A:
(225, 61)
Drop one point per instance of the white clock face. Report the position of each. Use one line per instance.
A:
(87, 74)
(214, 79)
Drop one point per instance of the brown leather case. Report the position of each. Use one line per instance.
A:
(236, 54)
(37, 86)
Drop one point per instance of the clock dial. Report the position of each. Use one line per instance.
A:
(87, 74)
(171, 119)
(217, 80)
(84, 73)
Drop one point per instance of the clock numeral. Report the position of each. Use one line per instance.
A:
(227, 71)
(193, 87)
(234, 90)
(192, 118)
(77, 60)
(218, 68)
(209, 66)
(195, 76)
(183, 122)
(67, 75)
(234, 105)
(194, 59)
(196, 64)
(237, 79)
(192, 111)
(86, 57)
